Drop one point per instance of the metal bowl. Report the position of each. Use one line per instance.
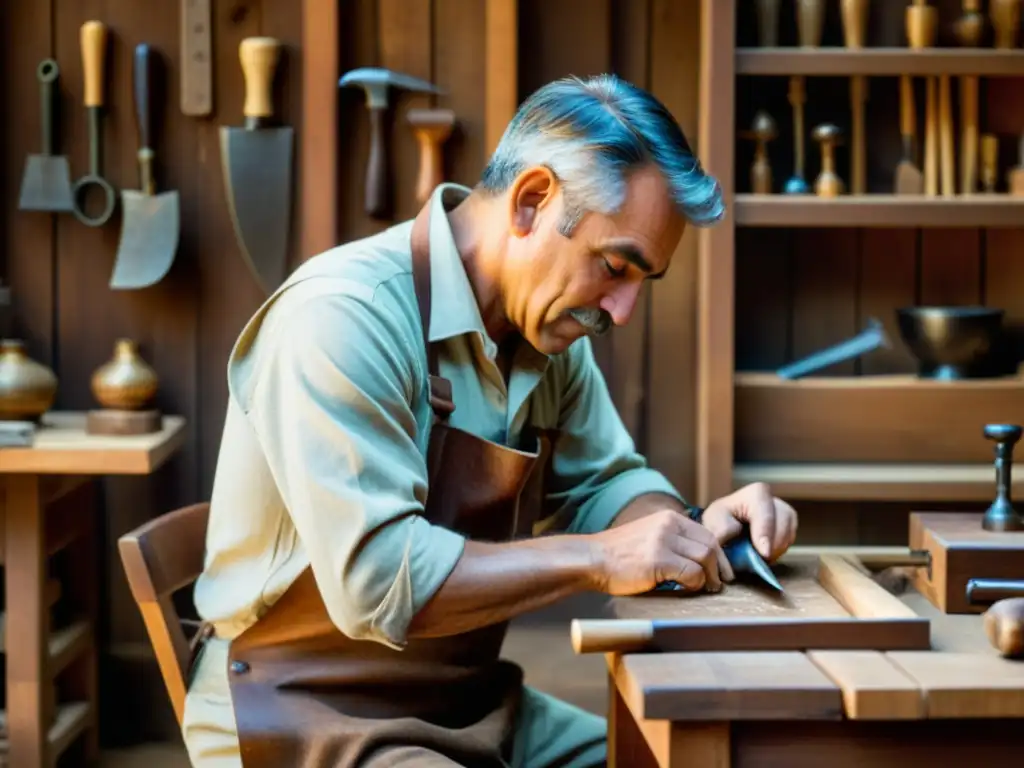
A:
(951, 342)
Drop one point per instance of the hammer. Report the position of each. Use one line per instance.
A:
(375, 81)
(432, 127)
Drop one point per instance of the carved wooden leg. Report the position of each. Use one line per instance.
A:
(29, 691)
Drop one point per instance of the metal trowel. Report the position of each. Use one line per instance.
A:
(46, 183)
(151, 222)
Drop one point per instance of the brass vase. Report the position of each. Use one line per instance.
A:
(126, 382)
(27, 387)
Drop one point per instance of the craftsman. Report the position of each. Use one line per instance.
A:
(353, 619)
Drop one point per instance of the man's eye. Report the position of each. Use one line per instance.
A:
(612, 270)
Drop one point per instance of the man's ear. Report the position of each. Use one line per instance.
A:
(532, 191)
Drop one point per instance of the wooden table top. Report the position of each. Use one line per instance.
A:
(961, 677)
(62, 447)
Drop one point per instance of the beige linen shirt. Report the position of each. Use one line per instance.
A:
(322, 458)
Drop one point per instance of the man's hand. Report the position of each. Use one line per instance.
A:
(772, 522)
(663, 546)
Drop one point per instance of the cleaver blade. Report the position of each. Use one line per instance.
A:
(149, 238)
(257, 168)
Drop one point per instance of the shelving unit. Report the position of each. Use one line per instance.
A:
(820, 438)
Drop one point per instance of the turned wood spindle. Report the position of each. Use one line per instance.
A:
(768, 23)
(797, 184)
(948, 178)
(761, 131)
(855, 22)
(989, 150)
(810, 22)
(1005, 18)
(922, 23)
(828, 183)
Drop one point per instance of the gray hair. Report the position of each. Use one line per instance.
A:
(591, 133)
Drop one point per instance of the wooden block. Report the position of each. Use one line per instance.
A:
(109, 421)
(730, 685)
(873, 687)
(962, 550)
(964, 685)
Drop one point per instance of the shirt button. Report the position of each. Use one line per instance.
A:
(239, 667)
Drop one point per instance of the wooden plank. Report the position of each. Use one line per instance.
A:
(965, 685)
(501, 68)
(825, 293)
(319, 158)
(672, 303)
(631, 34)
(359, 47)
(873, 687)
(229, 294)
(406, 35)
(888, 280)
(950, 266)
(783, 420)
(764, 286)
(459, 47)
(945, 483)
(715, 686)
(28, 238)
(715, 356)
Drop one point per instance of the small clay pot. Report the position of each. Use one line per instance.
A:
(27, 388)
(126, 382)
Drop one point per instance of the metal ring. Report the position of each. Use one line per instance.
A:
(108, 191)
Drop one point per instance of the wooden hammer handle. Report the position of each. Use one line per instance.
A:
(610, 635)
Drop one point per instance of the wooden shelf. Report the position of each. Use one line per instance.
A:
(876, 482)
(835, 418)
(777, 210)
(837, 61)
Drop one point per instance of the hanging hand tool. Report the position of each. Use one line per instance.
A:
(196, 58)
(93, 39)
(376, 82)
(796, 184)
(150, 221)
(948, 175)
(46, 183)
(432, 127)
(931, 137)
(257, 166)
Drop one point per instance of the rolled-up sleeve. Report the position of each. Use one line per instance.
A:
(596, 469)
(330, 405)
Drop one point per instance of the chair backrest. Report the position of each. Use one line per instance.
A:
(160, 558)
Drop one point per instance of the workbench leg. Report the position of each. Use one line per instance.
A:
(28, 681)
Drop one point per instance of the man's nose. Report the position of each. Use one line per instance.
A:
(622, 301)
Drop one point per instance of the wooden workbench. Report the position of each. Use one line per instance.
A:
(957, 704)
(33, 527)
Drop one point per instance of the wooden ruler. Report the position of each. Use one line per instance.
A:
(196, 58)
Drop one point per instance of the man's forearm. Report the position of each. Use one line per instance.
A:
(492, 583)
(645, 505)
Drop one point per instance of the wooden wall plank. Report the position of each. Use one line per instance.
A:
(458, 48)
(359, 47)
(764, 287)
(317, 179)
(28, 237)
(825, 293)
(888, 280)
(671, 425)
(501, 68)
(229, 293)
(950, 266)
(627, 380)
(406, 44)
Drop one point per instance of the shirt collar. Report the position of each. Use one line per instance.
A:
(454, 308)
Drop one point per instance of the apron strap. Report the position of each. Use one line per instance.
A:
(440, 388)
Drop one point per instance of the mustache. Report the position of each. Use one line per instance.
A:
(596, 321)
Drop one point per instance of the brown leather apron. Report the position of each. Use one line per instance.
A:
(305, 695)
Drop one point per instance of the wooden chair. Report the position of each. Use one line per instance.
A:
(160, 558)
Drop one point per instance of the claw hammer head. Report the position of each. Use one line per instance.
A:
(376, 80)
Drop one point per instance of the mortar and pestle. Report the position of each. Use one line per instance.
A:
(951, 343)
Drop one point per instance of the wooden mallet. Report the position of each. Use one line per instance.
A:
(432, 127)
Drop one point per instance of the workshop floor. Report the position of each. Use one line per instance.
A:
(538, 642)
